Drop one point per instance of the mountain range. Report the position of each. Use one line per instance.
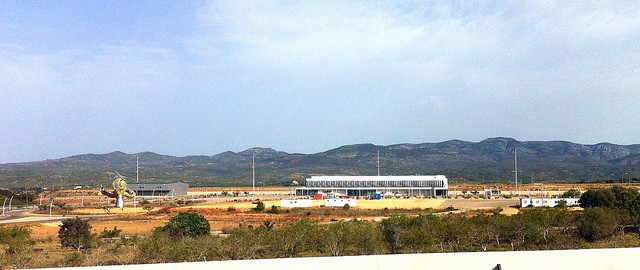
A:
(491, 160)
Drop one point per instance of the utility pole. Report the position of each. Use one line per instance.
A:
(515, 157)
(378, 162)
(253, 169)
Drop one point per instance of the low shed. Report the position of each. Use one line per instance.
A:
(149, 189)
(548, 202)
(340, 202)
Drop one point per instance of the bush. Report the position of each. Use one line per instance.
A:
(572, 193)
(161, 248)
(597, 223)
(16, 239)
(164, 210)
(76, 233)
(110, 233)
(148, 208)
(187, 224)
(274, 210)
(73, 259)
(259, 207)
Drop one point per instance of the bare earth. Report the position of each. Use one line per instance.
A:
(138, 221)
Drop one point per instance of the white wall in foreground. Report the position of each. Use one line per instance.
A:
(601, 259)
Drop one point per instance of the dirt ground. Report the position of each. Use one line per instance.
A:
(221, 214)
(136, 221)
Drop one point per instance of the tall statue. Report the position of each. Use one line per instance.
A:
(120, 190)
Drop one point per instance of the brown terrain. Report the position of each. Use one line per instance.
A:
(231, 212)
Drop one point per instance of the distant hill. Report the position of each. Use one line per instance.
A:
(491, 160)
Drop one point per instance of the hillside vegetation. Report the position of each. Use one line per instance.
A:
(491, 160)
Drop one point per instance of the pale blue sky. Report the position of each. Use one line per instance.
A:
(203, 77)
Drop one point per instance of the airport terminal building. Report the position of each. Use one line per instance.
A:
(149, 189)
(418, 186)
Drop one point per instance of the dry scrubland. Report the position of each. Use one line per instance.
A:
(230, 213)
(139, 221)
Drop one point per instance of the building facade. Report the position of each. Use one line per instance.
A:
(410, 186)
(159, 189)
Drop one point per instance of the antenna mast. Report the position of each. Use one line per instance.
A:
(253, 169)
(137, 166)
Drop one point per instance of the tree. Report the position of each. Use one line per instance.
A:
(259, 207)
(76, 233)
(597, 223)
(629, 200)
(187, 224)
(351, 238)
(409, 235)
(291, 240)
(160, 248)
(595, 198)
(572, 193)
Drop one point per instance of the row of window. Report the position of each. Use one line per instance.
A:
(329, 184)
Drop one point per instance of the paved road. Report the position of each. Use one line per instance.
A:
(23, 215)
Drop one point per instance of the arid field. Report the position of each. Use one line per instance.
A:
(228, 212)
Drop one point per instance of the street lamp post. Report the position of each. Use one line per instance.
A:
(10, 200)
(5, 201)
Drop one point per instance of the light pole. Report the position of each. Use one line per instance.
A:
(629, 178)
(515, 161)
(5, 201)
(10, 200)
(50, 207)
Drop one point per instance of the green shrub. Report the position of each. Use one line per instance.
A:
(597, 223)
(110, 233)
(187, 224)
(16, 239)
(73, 259)
(259, 207)
(76, 233)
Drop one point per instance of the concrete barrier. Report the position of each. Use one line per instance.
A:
(585, 259)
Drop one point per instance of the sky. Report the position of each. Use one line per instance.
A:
(204, 77)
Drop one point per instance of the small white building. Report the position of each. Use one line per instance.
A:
(547, 202)
(339, 202)
(295, 203)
